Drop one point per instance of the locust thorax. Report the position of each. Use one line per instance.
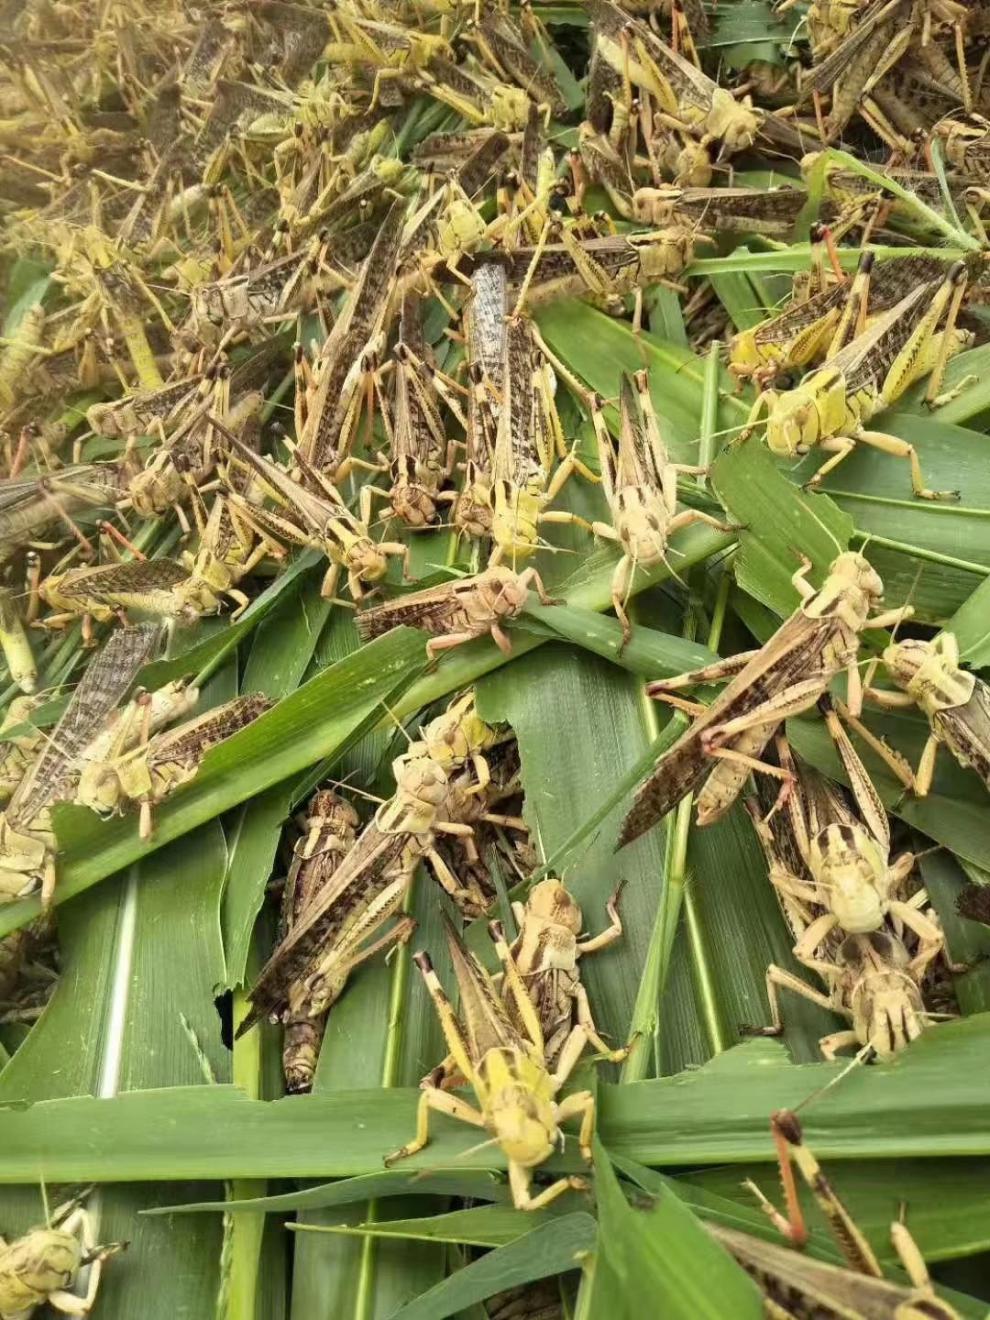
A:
(641, 524)
(522, 1117)
(413, 504)
(929, 672)
(666, 254)
(38, 1264)
(509, 108)
(515, 520)
(656, 206)
(852, 871)
(366, 560)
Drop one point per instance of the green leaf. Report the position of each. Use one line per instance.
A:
(549, 1249)
(661, 1251)
(781, 524)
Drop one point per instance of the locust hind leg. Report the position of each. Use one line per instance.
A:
(433, 1098)
(897, 448)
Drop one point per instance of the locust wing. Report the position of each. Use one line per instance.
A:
(97, 695)
(965, 730)
(435, 610)
(482, 1014)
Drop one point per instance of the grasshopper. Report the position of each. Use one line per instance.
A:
(31, 504)
(528, 437)
(860, 59)
(320, 520)
(459, 611)
(640, 485)
(486, 336)
(160, 587)
(150, 773)
(332, 407)
(784, 677)
(330, 831)
(39, 1268)
(26, 839)
(17, 651)
(955, 703)
(847, 875)
(421, 458)
(728, 210)
(508, 1070)
(310, 967)
(820, 324)
(546, 953)
(504, 48)
(602, 270)
(799, 1286)
(829, 407)
(690, 102)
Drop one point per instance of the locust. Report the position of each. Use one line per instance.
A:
(478, 97)
(21, 665)
(773, 212)
(103, 592)
(309, 969)
(329, 832)
(955, 703)
(459, 611)
(503, 46)
(966, 143)
(820, 324)
(332, 406)
(847, 877)
(26, 840)
(321, 520)
(40, 1268)
(546, 953)
(799, 1286)
(599, 269)
(29, 505)
(152, 772)
(690, 102)
(420, 456)
(640, 486)
(485, 335)
(829, 407)
(507, 1068)
(784, 677)
(528, 438)
(872, 47)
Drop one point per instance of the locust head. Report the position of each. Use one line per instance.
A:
(99, 789)
(23, 859)
(929, 671)
(509, 108)
(793, 424)
(666, 254)
(503, 592)
(655, 206)
(734, 123)
(366, 560)
(414, 506)
(885, 1002)
(42, 1262)
(158, 488)
(550, 901)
